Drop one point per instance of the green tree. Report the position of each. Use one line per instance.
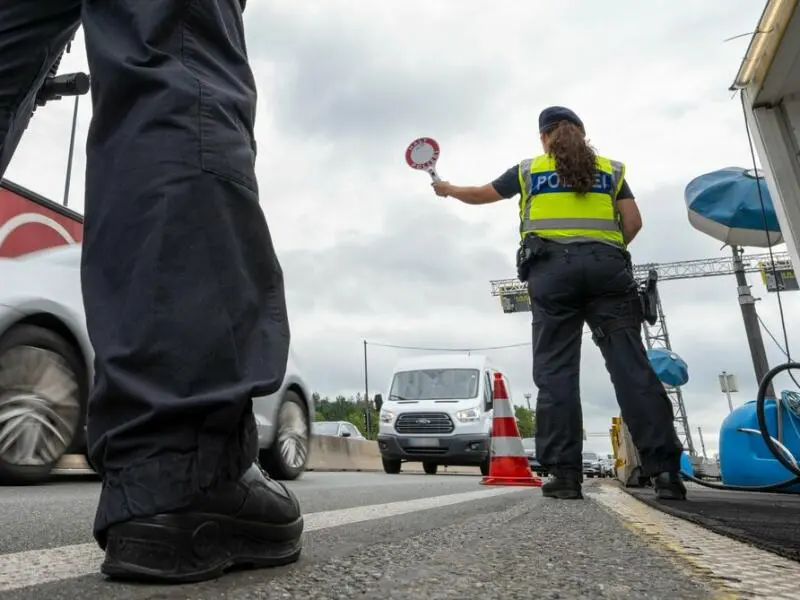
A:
(526, 421)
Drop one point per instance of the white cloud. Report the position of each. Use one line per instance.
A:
(370, 253)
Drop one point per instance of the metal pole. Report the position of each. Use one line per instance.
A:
(366, 389)
(71, 151)
(702, 443)
(726, 388)
(751, 326)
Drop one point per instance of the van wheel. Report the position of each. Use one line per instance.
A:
(430, 468)
(485, 467)
(392, 467)
(43, 391)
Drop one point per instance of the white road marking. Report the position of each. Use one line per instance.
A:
(36, 567)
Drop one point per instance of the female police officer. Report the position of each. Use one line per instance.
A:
(577, 216)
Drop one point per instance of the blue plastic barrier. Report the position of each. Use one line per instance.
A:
(686, 465)
(744, 458)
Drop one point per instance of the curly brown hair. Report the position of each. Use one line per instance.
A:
(576, 160)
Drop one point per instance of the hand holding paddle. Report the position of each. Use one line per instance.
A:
(422, 155)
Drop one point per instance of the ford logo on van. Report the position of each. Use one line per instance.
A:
(424, 421)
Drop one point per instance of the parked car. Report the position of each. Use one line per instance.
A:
(529, 445)
(46, 368)
(591, 465)
(336, 429)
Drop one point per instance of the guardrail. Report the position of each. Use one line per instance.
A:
(327, 453)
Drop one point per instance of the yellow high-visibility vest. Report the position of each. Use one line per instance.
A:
(554, 211)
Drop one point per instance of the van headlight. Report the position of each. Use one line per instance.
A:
(386, 416)
(469, 415)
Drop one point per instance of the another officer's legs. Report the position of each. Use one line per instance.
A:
(32, 35)
(614, 315)
(557, 321)
(182, 288)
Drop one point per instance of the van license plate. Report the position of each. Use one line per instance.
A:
(423, 442)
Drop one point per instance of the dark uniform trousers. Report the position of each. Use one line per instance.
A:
(593, 283)
(182, 288)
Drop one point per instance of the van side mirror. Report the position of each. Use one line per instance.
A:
(489, 401)
(345, 434)
(378, 402)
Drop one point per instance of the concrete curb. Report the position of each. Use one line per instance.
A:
(326, 454)
(73, 462)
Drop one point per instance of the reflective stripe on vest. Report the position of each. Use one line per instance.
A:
(554, 211)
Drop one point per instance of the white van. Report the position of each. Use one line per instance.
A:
(438, 412)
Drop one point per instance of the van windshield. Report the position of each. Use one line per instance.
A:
(435, 384)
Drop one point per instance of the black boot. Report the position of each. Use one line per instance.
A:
(252, 523)
(669, 486)
(564, 486)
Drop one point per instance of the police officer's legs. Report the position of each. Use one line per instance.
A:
(613, 313)
(32, 35)
(557, 323)
(183, 291)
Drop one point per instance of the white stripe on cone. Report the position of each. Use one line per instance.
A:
(508, 446)
(502, 408)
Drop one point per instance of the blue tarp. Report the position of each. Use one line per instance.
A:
(670, 368)
(726, 205)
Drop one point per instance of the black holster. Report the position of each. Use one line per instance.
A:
(648, 297)
(531, 248)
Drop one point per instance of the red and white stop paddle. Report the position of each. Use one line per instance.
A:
(422, 155)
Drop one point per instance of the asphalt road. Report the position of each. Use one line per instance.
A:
(368, 536)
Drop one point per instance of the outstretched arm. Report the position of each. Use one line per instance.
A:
(505, 186)
(468, 194)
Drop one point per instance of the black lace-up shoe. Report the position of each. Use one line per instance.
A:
(564, 486)
(669, 486)
(252, 523)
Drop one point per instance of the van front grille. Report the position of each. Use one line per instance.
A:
(432, 423)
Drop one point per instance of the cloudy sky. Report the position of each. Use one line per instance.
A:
(346, 85)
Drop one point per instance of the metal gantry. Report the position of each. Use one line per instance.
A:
(687, 269)
(657, 335)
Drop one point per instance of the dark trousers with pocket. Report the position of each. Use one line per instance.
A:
(592, 283)
(182, 288)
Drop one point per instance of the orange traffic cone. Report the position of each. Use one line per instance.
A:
(508, 463)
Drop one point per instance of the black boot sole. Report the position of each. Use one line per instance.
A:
(667, 494)
(564, 495)
(189, 548)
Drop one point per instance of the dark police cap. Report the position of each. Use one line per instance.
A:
(553, 114)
